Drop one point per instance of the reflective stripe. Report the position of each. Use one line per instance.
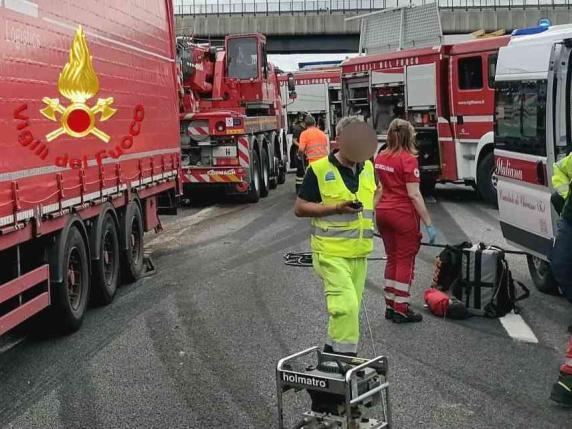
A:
(401, 299)
(342, 233)
(367, 233)
(401, 286)
(338, 233)
(564, 386)
(562, 189)
(343, 347)
(346, 217)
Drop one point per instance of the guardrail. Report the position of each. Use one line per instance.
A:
(267, 7)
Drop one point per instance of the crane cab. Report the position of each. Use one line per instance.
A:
(248, 68)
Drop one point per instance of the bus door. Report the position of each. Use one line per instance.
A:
(524, 150)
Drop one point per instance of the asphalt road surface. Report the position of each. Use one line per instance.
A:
(195, 346)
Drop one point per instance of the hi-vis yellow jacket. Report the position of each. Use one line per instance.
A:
(562, 175)
(348, 235)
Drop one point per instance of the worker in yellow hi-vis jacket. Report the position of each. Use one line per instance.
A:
(337, 193)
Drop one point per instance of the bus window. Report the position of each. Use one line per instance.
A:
(520, 123)
(242, 58)
(470, 73)
(492, 69)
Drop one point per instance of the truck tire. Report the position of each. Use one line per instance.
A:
(105, 269)
(254, 192)
(541, 275)
(487, 179)
(273, 182)
(70, 297)
(281, 173)
(264, 175)
(132, 246)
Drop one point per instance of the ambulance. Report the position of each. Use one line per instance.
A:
(532, 130)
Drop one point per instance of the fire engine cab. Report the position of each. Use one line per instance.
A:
(447, 92)
(533, 129)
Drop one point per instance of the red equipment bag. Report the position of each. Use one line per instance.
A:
(437, 301)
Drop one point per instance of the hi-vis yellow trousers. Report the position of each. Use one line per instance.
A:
(344, 282)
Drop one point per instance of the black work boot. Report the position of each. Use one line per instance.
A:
(562, 390)
(389, 312)
(409, 317)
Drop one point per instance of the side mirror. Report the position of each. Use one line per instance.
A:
(292, 95)
(291, 83)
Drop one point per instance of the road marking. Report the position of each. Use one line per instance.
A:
(517, 328)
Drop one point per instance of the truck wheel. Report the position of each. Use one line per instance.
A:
(106, 267)
(274, 179)
(264, 175)
(281, 173)
(70, 297)
(487, 179)
(541, 275)
(254, 192)
(132, 235)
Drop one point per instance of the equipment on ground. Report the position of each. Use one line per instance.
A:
(343, 389)
(232, 125)
(477, 276)
(304, 259)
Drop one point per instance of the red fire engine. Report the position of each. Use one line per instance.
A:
(232, 127)
(318, 92)
(89, 139)
(447, 93)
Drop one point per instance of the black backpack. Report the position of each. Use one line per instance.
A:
(448, 265)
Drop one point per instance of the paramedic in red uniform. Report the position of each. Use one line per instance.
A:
(399, 208)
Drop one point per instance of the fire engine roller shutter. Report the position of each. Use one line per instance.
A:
(386, 77)
(421, 87)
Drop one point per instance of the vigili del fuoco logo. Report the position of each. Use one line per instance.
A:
(78, 83)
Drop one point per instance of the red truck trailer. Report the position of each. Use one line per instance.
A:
(232, 128)
(90, 149)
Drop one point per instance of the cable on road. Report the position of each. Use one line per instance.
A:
(304, 259)
(447, 246)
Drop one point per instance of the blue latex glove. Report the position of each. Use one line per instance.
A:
(431, 233)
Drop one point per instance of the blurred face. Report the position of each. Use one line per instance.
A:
(357, 142)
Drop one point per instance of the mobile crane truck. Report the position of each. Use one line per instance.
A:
(232, 125)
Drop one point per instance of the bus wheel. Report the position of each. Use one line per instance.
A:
(70, 297)
(541, 275)
(132, 235)
(106, 266)
(254, 192)
(487, 179)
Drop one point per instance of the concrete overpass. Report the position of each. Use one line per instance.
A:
(313, 31)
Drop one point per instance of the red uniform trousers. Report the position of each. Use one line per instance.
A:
(399, 229)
